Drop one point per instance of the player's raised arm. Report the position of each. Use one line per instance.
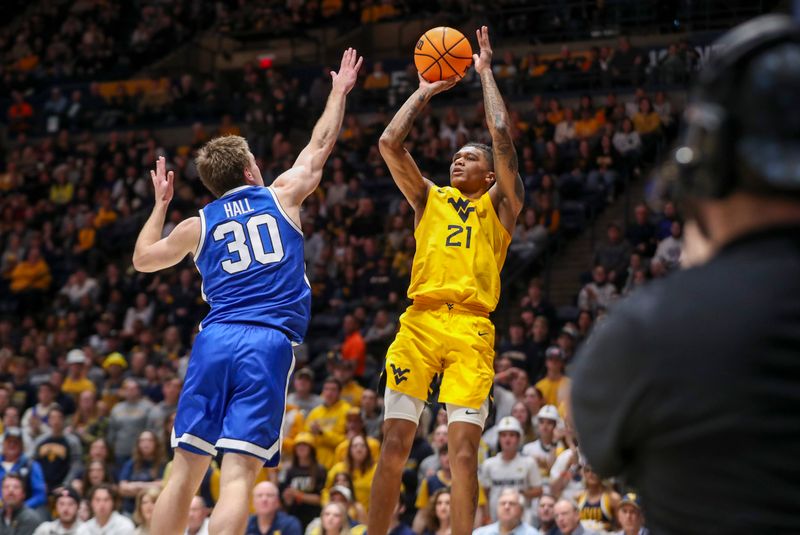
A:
(153, 253)
(298, 182)
(402, 166)
(510, 193)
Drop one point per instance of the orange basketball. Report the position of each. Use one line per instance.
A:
(441, 53)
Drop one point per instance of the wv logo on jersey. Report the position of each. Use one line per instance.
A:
(462, 207)
(399, 375)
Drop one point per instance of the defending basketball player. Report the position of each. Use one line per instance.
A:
(248, 247)
(463, 232)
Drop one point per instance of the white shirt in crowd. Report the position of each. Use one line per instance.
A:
(519, 473)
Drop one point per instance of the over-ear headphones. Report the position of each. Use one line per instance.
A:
(711, 157)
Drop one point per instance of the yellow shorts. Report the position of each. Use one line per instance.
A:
(446, 340)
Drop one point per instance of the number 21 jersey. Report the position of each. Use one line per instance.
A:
(461, 248)
(250, 257)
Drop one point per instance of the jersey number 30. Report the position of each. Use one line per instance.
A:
(239, 243)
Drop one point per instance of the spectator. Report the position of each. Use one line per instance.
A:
(30, 280)
(555, 385)
(547, 516)
(665, 220)
(380, 334)
(669, 249)
(360, 466)
(509, 469)
(96, 473)
(353, 347)
(143, 471)
(303, 481)
(436, 514)
(343, 372)
(599, 293)
(268, 517)
(529, 235)
(35, 420)
(544, 449)
(597, 504)
(568, 519)
(377, 83)
(19, 114)
(59, 454)
(510, 506)
(13, 461)
(333, 521)
(18, 518)
(614, 254)
(354, 426)
(396, 525)
(143, 514)
(128, 420)
(171, 390)
(77, 381)
(197, 524)
(519, 349)
(302, 395)
(629, 516)
(327, 422)
(371, 413)
(627, 141)
(105, 520)
(432, 484)
(87, 423)
(565, 135)
(78, 285)
(642, 233)
(67, 522)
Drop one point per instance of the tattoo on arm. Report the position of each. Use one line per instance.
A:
(497, 120)
(400, 126)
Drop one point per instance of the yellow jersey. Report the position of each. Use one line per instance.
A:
(461, 248)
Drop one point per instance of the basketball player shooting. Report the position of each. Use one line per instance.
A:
(463, 232)
(248, 247)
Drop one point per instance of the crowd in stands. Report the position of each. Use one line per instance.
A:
(92, 353)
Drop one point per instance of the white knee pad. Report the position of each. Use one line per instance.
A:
(457, 413)
(401, 406)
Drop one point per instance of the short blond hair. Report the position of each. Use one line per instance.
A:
(221, 163)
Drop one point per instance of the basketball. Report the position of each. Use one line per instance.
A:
(441, 53)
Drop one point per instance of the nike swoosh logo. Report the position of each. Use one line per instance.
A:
(470, 413)
(482, 334)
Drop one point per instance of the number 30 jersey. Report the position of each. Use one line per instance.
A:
(461, 248)
(250, 257)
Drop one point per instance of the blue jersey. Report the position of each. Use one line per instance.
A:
(250, 257)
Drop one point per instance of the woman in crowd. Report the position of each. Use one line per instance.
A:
(303, 481)
(142, 471)
(143, 513)
(437, 513)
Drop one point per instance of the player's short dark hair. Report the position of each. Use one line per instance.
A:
(221, 163)
(487, 152)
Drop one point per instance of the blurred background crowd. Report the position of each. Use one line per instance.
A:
(92, 353)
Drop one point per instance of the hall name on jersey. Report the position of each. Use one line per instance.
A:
(235, 208)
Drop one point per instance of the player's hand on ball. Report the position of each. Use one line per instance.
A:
(162, 181)
(437, 87)
(345, 79)
(483, 60)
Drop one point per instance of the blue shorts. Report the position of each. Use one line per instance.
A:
(234, 393)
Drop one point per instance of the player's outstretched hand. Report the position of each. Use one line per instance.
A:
(162, 181)
(437, 87)
(345, 79)
(484, 60)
